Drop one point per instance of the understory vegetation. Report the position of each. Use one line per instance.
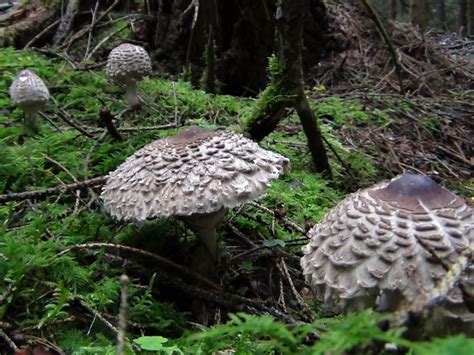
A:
(60, 289)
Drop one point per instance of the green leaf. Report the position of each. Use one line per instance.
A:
(152, 343)
(274, 243)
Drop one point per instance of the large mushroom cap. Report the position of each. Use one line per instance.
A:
(388, 241)
(195, 171)
(29, 92)
(127, 63)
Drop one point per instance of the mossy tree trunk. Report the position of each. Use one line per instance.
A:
(286, 88)
(209, 81)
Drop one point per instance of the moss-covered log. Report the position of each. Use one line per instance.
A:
(24, 22)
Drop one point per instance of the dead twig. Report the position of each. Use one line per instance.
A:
(41, 34)
(175, 99)
(97, 314)
(195, 3)
(50, 121)
(65, 117)
(91, 31)
(103, 41)
(41, 194)
(8, 340)
(122, 323)
(284, 270)
(292, 225)
(78, 191)
(388, 42)
(161, 260)
(145, 128)
(81, 33)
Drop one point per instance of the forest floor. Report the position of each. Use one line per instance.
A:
(62, 256)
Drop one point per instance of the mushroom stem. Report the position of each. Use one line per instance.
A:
(30, 124)
(208, 237)
(132, 96)
(204, 227)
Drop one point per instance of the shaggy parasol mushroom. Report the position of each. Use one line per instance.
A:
(127, 64)
(29, 93)
(387, 245)
(197, 174)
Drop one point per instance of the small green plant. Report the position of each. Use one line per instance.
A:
(431, 123)
(248, 334)
(157, 343)
(356, 333)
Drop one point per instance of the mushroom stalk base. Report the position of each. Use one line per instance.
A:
(132, 96)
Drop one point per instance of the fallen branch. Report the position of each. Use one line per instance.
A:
(223, 299)
(41, 194)
(161, 260)
(64, 116)
(138, 129)
(8, 340)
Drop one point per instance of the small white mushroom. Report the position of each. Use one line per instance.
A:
(197, 175)
(386, 245)
(29, 93)
(127, 64)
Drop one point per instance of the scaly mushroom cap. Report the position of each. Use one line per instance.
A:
(195, 171)
(29, 92)
(381, 241)
(128, 63)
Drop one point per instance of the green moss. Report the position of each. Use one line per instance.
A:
(43, 288)
(306, 195)
(349, 113)
(431, 123)
(273, 94)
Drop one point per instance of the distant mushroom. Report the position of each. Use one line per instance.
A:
(387, 245)
(197, 175)
(29, 93)
(127, 64)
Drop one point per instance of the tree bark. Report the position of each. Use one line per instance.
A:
(393, 9)
(286, 86)
(463, 16)
(442, 14)
(66, 21)
(244, 34)
(470, 18)
(420, 14)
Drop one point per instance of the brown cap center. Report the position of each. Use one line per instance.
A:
(411, 191)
